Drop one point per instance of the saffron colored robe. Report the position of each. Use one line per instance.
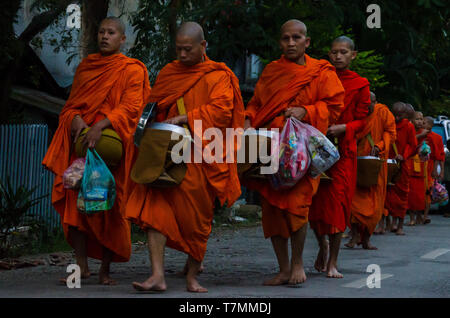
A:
(368, 203)
(330, 209)
(397, 194)
(184, 213)
(284, 84)
(116, 87)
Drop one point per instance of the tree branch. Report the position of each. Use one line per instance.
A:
(42, 21)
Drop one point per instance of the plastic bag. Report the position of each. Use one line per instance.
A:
(98, 188)
(294, 158)
(73, 175)
(439, 195)
(323, 152)
(424, 151)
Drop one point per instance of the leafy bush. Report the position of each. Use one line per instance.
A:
(14, 205)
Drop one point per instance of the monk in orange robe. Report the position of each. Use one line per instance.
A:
(330, 209)
(309, 90)
(368, 203)
(406, 143)
(417, 167)
(436, 162)
(109, 90)
(181, 216)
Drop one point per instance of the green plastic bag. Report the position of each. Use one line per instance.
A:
(98, 188)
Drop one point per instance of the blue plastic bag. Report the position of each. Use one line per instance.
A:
(98, 187)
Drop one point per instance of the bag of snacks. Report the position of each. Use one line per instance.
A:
(293, 156)
(98, 187)
(73, 175)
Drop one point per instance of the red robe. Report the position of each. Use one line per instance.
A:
(437, 153)
(284, 84)
(397, 194)
(417, 180)
(330, 209)
(116, 87)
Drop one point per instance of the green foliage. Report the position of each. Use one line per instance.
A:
(14, 205)
(368, 65)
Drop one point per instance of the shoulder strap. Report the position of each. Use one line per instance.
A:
(369, 138)
(394, 146)
(182, 111)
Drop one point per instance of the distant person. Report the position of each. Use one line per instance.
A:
(406, 145)
(109, 91)
(436, 164)
(367, 207)
(417, 174)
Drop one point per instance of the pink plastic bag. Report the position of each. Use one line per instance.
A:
(73, 175)
(294, 159)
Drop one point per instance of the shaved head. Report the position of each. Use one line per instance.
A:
(294, 22)
(191, 30)
(120, 25)
(428, 122)
(345, 39)
(410, 111)
(190, 44)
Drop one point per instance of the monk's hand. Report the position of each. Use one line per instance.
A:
(247, 124)
(77, 127)
(92, 136)
(375, 151)
(399, 157)
(177, 120)
(336, 130)
(297, 112)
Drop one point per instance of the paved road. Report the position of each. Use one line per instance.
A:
(236, 263)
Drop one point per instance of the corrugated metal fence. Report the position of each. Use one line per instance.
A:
(22, 148)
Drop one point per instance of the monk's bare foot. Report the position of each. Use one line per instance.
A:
(400, 232)
(332, 272)
(368, 246)
(351, 243)
(151, 284)
(322, 258)
(104, 279)
(280, 279)
(412, 223)
(185, 270)
(193, 286)
(298, 276)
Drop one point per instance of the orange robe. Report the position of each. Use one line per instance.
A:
(330, 209)
(184, 213)
(417, 188)
(116, 87)
(397, 195)
(284, 84)
(368, 203)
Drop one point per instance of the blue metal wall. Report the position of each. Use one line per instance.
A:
(22, 148)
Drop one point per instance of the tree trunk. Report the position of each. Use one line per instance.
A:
(92, 13)
(15, 47)
(173, 9)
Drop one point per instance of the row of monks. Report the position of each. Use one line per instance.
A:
(111, 90)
